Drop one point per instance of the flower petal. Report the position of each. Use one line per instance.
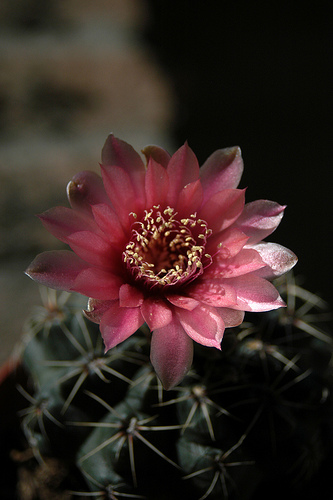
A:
(86, 189)
(95, 250)
(96, 309)
(158, 154)
(57, 269)
(157, 183)
(246, 261)
(255, 293)
(171, 354)
(203, 325)
(190, 199)
(223, 208)
(120, 190)
(259, 219)
(183, 168)
(183, 302)
(222, 170)
(231, 317)
(98, 283)
(156, 313)
(108, 222)
(118, 153)
(119, 323)
(227, 243)
(213, 292)
(63, 221)
(129, 296)
(278, 259)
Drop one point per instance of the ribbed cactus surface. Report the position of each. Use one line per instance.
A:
(251, 421)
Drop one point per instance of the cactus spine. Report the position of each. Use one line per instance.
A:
(255, 414)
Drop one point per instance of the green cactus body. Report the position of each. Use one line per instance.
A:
(255, 414)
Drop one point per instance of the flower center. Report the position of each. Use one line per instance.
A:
(164, 251)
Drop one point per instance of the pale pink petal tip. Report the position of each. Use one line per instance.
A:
(278, 259)
(259, 219)
(204, 325)
(171, 354)
(121, 154)
(56, 269)
(158, 154)
(222, 170)
(96, 309)
(119, 323)
(182, 169)
(86, 189)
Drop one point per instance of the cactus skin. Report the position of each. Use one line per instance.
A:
(255, 414)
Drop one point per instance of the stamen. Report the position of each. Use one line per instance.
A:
(164, 251)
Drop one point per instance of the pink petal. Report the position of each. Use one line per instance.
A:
(120, 190)
(183, 302)
(222, 170)
(259, 219)
(171, 354)
(108, 222)
(129, 296)
(119, 323)
(203, 325)
(96, 309)
(117, 153)
(63, 221)
(159, 155)
(223, 208)
(246, 261)
(157, 183)
(231, 317)
(57, 269)
(183, 168)
(156, 313)
(190, 199)
(213, 292)
(95, 250)
(86, 189)
(98, 283)
(226, 243)
(255, 293)
(278, 259)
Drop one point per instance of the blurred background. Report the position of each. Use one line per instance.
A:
(216, 74)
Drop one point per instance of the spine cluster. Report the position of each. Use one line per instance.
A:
(255, 414)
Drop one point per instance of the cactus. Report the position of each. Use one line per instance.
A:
(256, 414)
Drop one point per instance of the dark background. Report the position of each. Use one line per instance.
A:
(260, 76)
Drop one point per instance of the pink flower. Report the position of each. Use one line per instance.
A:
(170, 245)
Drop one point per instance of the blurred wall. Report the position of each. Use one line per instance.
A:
(71, 71)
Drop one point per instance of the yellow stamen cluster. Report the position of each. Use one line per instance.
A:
(165, 251)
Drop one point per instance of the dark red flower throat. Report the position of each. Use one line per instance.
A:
(164, 251)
